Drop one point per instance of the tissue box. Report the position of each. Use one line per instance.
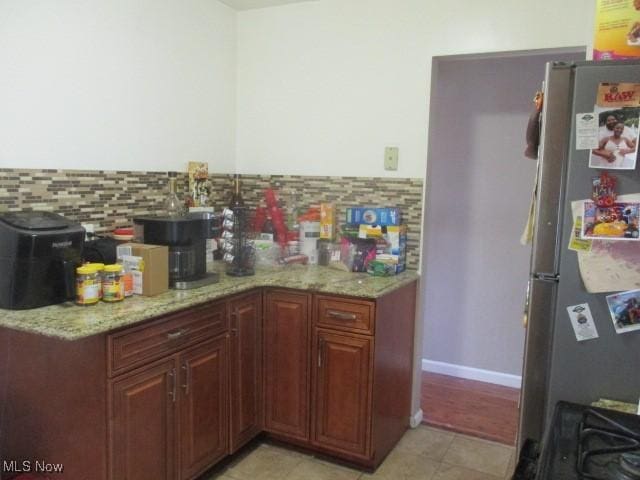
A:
(153, 269)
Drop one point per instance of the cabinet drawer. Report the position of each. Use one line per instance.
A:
(345, 314)
(139, 345)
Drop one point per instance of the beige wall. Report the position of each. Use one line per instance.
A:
(117, 84)
(324, 86)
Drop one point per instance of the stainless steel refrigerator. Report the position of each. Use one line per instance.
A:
(556, 366)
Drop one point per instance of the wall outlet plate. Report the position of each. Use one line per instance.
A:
(391, 158)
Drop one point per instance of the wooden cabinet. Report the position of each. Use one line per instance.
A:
(169, 419)
(362, 372)
(202, 403)
(342, 392)
(168, 398)
(246, 369)
(143, 424)
(287, 336)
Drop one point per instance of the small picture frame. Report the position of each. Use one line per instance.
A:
(618, 221)
(624, 308)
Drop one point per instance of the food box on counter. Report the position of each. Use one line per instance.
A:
(374, 216)
(392, 247)
(151, 273)
(327, 221)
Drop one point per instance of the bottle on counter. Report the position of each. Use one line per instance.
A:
(236, 194)
(324, 252)
(88, 285)
(172, 204)
(268, 228)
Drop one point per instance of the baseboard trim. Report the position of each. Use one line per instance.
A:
(471, 373)
(416, 419)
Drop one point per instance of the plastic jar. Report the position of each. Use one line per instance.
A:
(88, 285)
(100, 267)
(112, 284)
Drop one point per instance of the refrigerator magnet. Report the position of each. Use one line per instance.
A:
(624, 308)
(576, 243)
(582, 322)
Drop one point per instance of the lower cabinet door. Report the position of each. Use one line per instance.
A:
(141, 430)
(287, 335)
(246, 369)
(342, 388)
(203, 427)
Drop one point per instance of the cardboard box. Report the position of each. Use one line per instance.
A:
(327, 221)
(374, 216)
(154, 267)
(392, 249)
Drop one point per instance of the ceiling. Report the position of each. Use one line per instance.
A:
(251, 4)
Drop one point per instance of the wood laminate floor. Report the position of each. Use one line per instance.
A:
(474, 408)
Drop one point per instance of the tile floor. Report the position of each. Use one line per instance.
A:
(424, 453)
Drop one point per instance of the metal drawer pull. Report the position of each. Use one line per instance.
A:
(341, 315)
(187, 378)
(172, 392)
(320, 349)
(176, 335)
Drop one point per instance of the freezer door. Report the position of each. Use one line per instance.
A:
(544, 256)
(556, 122)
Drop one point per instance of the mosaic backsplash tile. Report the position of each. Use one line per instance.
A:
(109, 199)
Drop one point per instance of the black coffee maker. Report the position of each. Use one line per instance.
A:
(186, 237)
(39, 252)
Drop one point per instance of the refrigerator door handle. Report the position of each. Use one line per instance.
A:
(546, 277)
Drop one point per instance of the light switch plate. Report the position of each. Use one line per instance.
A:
(391, 158)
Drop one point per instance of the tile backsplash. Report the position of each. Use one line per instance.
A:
(109, 199)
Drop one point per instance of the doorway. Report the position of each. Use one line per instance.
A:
(475, 270)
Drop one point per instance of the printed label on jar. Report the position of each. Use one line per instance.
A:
(88, 292)
(112, 291)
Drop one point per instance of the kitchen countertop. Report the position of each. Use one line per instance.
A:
(68, 321)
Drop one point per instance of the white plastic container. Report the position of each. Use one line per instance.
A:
(309, 235)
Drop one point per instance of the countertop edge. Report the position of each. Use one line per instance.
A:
(106, 324)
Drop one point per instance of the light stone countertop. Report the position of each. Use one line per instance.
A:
(68, 321)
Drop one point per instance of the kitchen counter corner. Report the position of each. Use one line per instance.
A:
(71, 322)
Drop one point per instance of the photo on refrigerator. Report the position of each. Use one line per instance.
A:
(624, 308)
(616, 222)
(617, 138)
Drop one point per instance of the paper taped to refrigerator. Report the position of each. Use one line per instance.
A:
(582, 322)
(610, 266)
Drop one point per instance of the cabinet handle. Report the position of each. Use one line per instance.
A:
(341, 315)
(177, 334)
(172, 391)
(187, 378)
(320, 348)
